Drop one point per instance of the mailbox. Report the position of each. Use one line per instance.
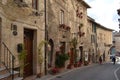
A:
(19, 48)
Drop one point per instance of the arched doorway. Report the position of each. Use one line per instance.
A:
(50, 53)
(81, 54)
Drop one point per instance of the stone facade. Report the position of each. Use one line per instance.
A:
(91, 39)
(116, 39)
(101, 38)
(16, 17)
(71, 14)
(104, 41)
(66, 20)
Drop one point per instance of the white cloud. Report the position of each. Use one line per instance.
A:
(105, 12)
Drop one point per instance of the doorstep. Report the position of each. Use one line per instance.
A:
(32, 77)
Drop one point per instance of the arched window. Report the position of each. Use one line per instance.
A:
(50, 54)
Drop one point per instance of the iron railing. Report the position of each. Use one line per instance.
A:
(7, 59)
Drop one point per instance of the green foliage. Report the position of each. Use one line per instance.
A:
(22, 58)
(40, 55)
(60, 59)
(74, 44)
(81, 24)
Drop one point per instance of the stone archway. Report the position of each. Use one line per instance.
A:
(50, 53)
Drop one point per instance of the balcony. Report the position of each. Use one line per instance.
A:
(81, 33)
(64, 27)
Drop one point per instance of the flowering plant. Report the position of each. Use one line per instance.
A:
(60, 59)
(62, 26)
(54, 70)
(68, 28)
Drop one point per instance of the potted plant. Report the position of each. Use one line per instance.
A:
(60, 59)
(68, 28)
(21, 58)
(74, 44)
(54, 70)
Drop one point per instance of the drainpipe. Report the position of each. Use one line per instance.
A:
(45, 64)
(96, 45)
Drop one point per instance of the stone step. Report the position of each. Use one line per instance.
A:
(4, 76)
(3, 70)
(2, 65)
(19, 78)
(8, 76)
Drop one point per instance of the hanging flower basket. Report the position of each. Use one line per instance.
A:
(77, 11)
(68, 28)
(62, 26)
(81, 33)
(77, 14)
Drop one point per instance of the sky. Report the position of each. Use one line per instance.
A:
(105, 12)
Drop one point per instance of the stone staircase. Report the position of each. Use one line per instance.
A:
(7, 60)
(6, 75)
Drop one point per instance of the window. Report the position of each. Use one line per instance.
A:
(93, 27)
(35, 4)
(62, 47)
(92, 38)
(61, 17)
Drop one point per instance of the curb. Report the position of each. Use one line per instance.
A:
(63, 73)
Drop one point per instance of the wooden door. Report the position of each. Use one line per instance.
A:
(71, 56)
(28, 43)
(81, 54)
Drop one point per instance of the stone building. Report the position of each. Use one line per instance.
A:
(101, 40)
(60, 22)
(92, 39)
(104, 41)
(67, 20)
(21, 22)
(116, 40)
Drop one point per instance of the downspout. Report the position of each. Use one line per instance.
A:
(96, 45)
(45, 64)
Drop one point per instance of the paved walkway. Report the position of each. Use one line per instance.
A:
(49, 76)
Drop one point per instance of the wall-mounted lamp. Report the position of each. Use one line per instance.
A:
(14, 29)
